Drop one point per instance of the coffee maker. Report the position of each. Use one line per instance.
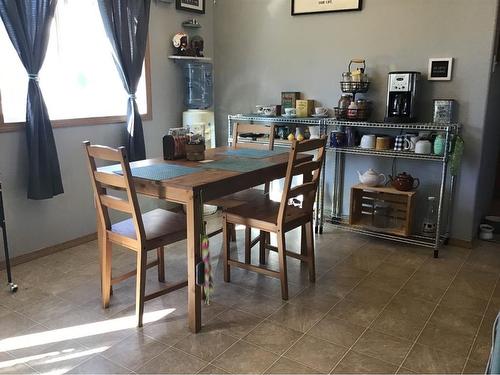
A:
(401, 96)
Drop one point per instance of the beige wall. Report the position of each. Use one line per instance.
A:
(37, 224)
(261, 50)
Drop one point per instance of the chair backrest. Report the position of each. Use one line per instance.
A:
(239, 129)
(311, 170)
(102, 181)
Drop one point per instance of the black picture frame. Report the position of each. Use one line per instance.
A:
(183, 5)
(440, 69)
(358, 8)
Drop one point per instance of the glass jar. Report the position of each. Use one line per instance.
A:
(345, 101)
(346, 77)
(429, 224)
(362, 104)
(352, 112)
(381, 214)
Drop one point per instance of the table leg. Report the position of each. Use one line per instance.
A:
(193, 217)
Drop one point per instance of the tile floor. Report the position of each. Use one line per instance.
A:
(377, 307)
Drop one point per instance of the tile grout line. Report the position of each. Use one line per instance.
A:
(431, 314)
(325, 314)
(169, 346)
(375, 319)
(266, 319)
(480, 325)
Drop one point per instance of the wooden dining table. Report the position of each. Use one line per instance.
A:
(193, 189)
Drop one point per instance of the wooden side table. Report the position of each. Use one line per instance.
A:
(12, 286)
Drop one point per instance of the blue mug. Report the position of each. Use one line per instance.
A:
(337, 139)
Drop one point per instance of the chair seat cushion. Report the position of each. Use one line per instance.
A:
(158, 224)
(263, 210)
(237, 199)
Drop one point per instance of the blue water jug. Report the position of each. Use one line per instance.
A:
(198, 85)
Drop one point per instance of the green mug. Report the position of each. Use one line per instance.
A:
(439, 145)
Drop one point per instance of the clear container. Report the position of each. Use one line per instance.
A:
(198, 85)
(381, 217)
(352, 112)
(346, 77)
(345, 101)
(429, 224)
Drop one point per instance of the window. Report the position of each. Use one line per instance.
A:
(79, 79)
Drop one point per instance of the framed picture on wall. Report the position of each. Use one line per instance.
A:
(440, 69)
(196, 6)
(323, 6)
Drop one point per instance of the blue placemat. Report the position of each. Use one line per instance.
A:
(159, 172)
(237, 165)
(114, 168)
(254, 154)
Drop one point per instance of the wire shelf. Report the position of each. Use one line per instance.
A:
(387, 153)
(386, 125)
(279, 119)
(277, 142)
(430, 242)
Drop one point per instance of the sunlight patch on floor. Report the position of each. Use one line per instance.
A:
(53, 357)
(75, 332)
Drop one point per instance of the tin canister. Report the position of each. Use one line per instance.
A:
(444, 111)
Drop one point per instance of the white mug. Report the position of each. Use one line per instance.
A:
(270, 111)
(413, 142)
(314, 131)
(423, 147)
(320, 111)
(368, 141)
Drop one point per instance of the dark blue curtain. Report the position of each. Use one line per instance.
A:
(126, 23)
(28, 25)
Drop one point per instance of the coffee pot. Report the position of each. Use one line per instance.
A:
(404, 182)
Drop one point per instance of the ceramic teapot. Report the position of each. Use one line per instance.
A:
(372, 178)
(404, 182)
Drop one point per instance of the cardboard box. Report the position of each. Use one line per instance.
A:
(305, 108)
(289, 99)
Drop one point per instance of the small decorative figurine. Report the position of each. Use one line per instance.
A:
(180, 42)
(197, 45)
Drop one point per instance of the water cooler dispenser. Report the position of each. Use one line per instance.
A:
(198, 98)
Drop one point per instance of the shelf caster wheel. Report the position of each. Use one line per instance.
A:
(316, 229)
(12, 287)
(321, 230)
(436, 254)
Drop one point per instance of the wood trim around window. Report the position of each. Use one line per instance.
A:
(89, 121)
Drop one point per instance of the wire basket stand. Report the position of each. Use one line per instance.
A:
(354, 87)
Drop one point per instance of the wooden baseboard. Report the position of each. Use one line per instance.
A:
(461, 243)
(50, 250)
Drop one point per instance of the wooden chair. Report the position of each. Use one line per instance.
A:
(272, 217)
(141, 233)
(248, 195)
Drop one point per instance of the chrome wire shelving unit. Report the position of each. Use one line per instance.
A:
(341, 220)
